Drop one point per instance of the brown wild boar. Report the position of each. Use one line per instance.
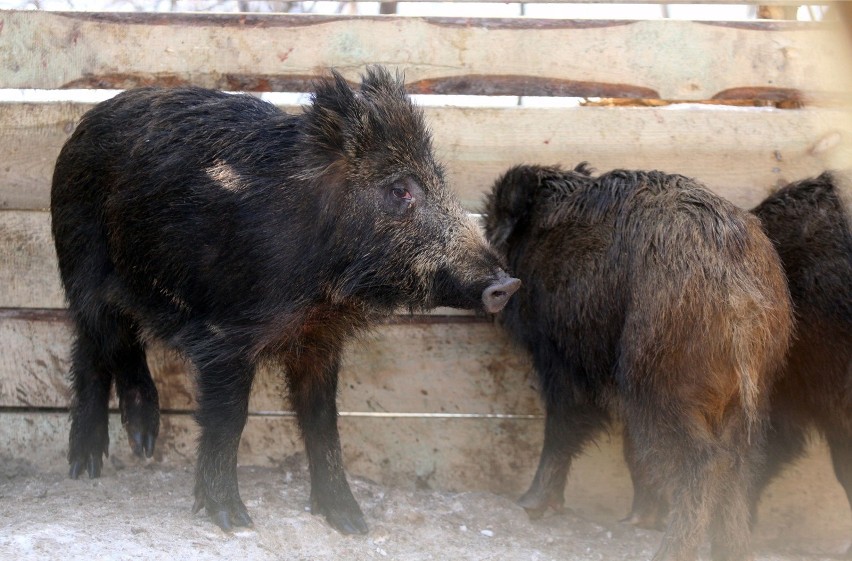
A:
(647, 298)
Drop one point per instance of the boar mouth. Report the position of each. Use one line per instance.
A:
(489, 292)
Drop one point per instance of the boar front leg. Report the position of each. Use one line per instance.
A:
(570, 422)
(567, 429)
(312, 369)
(224, 387)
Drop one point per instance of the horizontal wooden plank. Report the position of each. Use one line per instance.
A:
(448, 454)
(467, 368)
(665, 59)
(484, 454)
(27, 255)
(725, 2)
(739, 152)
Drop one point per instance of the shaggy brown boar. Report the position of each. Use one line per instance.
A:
(809, 224)
(650, 299)
(238, 233)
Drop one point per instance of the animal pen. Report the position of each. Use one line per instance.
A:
(439, 401)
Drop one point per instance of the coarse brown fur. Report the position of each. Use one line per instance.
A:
(651, 299)
(809, 224)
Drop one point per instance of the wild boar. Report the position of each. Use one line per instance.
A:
(238, 233)
(647, 298)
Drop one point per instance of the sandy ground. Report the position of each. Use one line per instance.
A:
(143, 512)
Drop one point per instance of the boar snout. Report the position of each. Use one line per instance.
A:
(494, 297)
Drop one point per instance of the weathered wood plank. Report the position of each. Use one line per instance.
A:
(727, 2)
(483, 454)
(29, 273)
(496, 455)
(439, 55)
(446, 368)
(31, 135)
(740, 153)
(29, 277)
(734, 2)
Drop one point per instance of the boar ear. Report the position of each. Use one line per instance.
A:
(378, 80)
(333, 102)
(519, 188)
(536, 195)
(510, 202)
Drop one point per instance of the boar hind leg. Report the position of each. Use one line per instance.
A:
(567, 428)
(730, 527)
(786, 438)
(649, 508)
(224, 385)
(840, 443)
(312, 379)
(691, 492)
(709, 484)
(91, 380)
(137, 395)
(106, 347)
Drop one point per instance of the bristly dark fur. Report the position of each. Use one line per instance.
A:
(239, 233)
(648, 297)
(810, 224)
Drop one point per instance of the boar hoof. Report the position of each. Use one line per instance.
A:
(88, 444)
(93, 464)
(537, 504)
(226, 519)
(347, 523)
(90, 458)
(141, 442)
(345, 518)
(226, 516)
(140, 416)
(644, 521)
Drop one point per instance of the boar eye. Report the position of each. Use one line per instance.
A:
(401, 193)
(401, 196)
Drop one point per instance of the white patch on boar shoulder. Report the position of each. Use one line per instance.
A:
(225, 176)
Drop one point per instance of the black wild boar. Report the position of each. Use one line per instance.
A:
(238, 233)
(809, 224)
(651, 299)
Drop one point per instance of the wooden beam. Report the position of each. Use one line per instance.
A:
(765, 11)
(666, 59)
(443, 369)
(497, 455)
(710, 2)
(706, 2)
(739, 152)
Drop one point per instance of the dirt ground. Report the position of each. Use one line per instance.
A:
(143, 512)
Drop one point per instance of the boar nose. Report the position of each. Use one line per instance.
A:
(495, 296)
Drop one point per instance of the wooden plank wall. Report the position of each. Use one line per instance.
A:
(458, 408)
